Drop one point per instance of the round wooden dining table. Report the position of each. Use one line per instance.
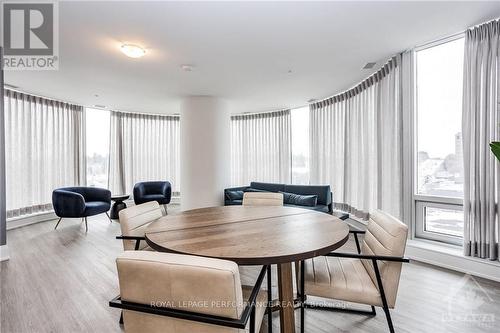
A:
(252, 235)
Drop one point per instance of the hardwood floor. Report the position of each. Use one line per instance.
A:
(61, 281)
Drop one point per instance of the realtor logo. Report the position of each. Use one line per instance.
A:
(469, 303)
(30, 38)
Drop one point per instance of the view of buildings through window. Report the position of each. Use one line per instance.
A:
(300, 146)
(97, 145)
(439, 71)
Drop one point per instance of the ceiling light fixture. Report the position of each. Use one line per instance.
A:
(133, 51)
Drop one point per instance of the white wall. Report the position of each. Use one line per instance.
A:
(205, 149)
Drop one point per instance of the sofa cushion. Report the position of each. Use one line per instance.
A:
(322, 191)
(271, 187)
(233, 202)
(318, 208)
(249, 189)
(300, 200)
(234, 195)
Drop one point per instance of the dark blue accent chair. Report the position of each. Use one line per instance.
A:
(80, 202)
(158, 191)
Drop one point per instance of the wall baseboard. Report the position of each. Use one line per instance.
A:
(23, 221)
(30, 219)
(4, 253)
(452, 258)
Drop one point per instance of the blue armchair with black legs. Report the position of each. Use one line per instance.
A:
(80, 202)
(159, 191)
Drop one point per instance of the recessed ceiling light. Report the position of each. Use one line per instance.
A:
(132, 51)
(187, 68)
(369, 65)
(99, 106)
(311, 100)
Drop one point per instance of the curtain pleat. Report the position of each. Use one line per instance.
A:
(143, 148)
(356, 144)
(480, 126)
(261, 147)
(44, 150)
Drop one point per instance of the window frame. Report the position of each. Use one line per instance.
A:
(420, 201)
(420, 231)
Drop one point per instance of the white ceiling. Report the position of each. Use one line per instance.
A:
(242, 51)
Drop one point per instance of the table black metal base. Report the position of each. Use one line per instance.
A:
(118, 205)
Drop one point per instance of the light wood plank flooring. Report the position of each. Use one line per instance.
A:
(61, 281)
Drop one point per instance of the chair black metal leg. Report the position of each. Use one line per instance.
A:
(121, 318)
(385, 306)
(269, 300)
(389, 320)
(357, 243)
(165, 208)
(109, 217)
(58, 223)
(302, 296)
(252, 320)
(86, 225)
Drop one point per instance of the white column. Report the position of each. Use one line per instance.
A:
(205, 150)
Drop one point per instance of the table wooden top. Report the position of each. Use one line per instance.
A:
(249, 235)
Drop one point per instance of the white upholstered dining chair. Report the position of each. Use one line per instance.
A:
(262, 199)
(166, 292)
(370, 277)
(133, 223)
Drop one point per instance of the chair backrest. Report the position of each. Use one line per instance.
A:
(190, 283)
(262, 199)
(134, 221)
(154, 187)
(270, 187)
(385, 236)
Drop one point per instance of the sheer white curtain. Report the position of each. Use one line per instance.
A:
(143, 148)
(45, 150)
(261, 147)
(356, 144)
(480, 126)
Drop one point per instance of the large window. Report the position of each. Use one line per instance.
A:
(439, 159)
(300, 146)
(97, 146)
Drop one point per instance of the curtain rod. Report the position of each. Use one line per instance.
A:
(41, 96)
(451, 36)
(258, 113)
(143, 113)
(18, 90)
(362, 85)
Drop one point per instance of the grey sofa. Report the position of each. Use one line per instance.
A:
(234, 195)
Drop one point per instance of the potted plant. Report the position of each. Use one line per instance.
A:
(495, 148)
